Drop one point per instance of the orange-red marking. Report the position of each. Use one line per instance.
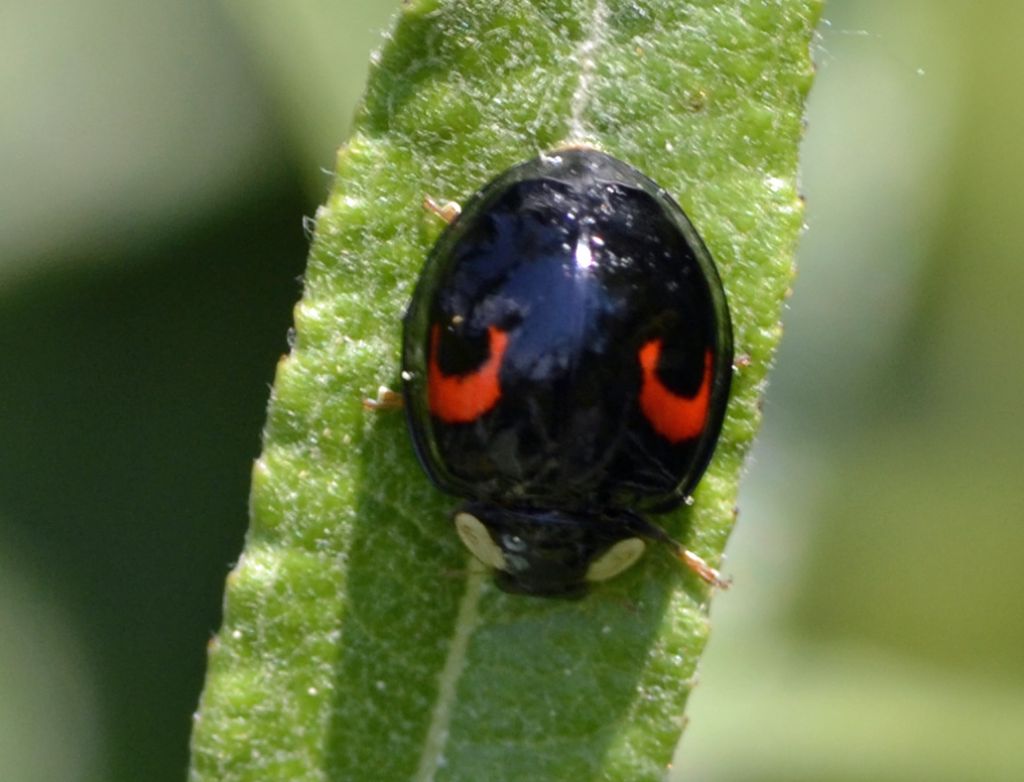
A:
(459, 399)
(674, 417)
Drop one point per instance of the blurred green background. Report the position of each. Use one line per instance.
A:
(158, 159)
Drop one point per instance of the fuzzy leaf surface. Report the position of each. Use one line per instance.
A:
(359, 641)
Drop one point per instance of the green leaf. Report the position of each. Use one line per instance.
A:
(360, 642)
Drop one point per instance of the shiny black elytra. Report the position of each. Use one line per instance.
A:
(566, 364)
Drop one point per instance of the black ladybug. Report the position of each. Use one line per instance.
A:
(566, 365)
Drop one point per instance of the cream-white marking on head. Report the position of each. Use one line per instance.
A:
(477, 539)
(619, 557)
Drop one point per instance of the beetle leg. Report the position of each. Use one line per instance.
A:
(447, 211)
(700, 567)
(386, 400)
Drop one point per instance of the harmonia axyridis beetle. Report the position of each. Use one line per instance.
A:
(566, 365)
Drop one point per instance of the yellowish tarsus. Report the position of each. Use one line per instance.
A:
(447, 211)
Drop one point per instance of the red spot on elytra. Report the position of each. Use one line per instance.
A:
(674, 417)
(459, 399)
